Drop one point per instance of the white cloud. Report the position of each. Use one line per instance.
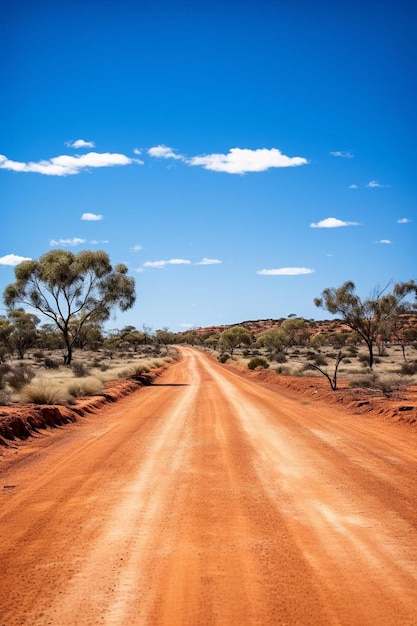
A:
(240, 161)
(91, 217)
(80, 143)
(75, 241)
(164, 152)
(13, 259)
(404, 220)
(65, 165)
(384, 241)
(206, 261)
(286, 271)
(345, 155)
(332, 222)
(136, 248)
(160, 264)
(373, 184)
(353, 186)
(137, 151)
(95, 242)
(187, 325)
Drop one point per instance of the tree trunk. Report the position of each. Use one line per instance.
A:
(371, 354)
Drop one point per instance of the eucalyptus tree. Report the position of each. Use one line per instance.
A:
(371, 317)
(233, 338)
(24, 334)
(72, 290)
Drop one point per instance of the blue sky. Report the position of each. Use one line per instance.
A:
(239, 157)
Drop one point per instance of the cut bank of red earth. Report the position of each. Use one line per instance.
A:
(21, 422)
(401, 406)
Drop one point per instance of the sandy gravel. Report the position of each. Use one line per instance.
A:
(207, 499)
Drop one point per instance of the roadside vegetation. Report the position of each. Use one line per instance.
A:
(41, 377)
(372, 343)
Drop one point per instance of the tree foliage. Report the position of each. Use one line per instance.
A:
(233, 338)
(23, 335)
(370, 318)
(72, 290)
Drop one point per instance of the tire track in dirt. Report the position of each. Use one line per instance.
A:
(208, 499)
(359, 547)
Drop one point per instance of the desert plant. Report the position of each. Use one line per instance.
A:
(258, 362)
(80, 369)
(19, 376)
(223, 358)
(51, 364)
(72, 290)
(43, 392)
(409, 368)
(86, 387)
(332, 379)
(387, 385)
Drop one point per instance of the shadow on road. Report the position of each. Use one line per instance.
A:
(170, 385)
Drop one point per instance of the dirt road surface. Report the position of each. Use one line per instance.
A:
(207, 499)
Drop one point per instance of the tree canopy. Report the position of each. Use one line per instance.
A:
(370, 317)
(234, 337)
(72, 290)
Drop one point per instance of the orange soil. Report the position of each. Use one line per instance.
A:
(209, 499)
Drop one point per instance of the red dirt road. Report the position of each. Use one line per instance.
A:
(207, 499)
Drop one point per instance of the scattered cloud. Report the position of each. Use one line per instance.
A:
(137, 151)
(13, 259)
(136, 248)
(240, 161)
(206, 261)
(286, 271)
(160, 264)
(95, 242)
(187, 325)
(345, 155)
(80, 143)
(384, 241)
(353, 186)
(332, 222)
(374, 184)
(91, 217)
(404, 220)
(66, 165)
(163, 152)
(75, 241)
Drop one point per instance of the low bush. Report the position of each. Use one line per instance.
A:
(42, 392)
(79, 369)
(409, 369)
(51, 364)
(19, 376)
(387, 385)
(258, 362)
(223, 358)
(86, 387)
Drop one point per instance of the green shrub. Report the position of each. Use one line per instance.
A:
(258, 361)
(223, 358)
